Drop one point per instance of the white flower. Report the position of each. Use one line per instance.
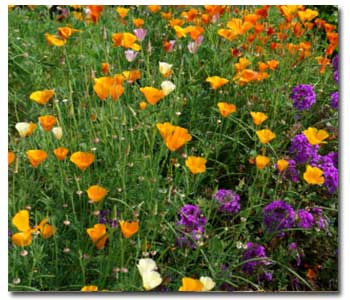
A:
(165, 68)
(150, 277)
(22, 128)
(57, 132)
(208, 283)
(167, 87)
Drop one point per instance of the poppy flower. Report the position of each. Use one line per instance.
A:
(66, 32)
(95, 12)
(191, 285)
(165, 69)
(150, 277)
(61, 153)
(226, 109)
(57, 132)
(153, 8)
(168, 46)
(11, 157)
(98, 235)
(143, 105)
(109, 86)
(96, 193)
(282, 165)
(258, 117)
(261, 161)
(167, 87)
(313, 175)
(25, 129)
(265, 135)
(54, 40)
(138, 22)
(122, 12)
(194, 31)
(272, 64)
(36, 157)
(47, 122)
(152, 95)
(132, 75)
(242, 64)
(180, 31)
(46, 230)
(314, 136)
(82, 159)
(174, 136)
(307, 15)
(323, 62)
(42, 97)
(126, 40)
(216, 82)
(105, 68)
(129, 228)
(130, 55)
(140, 34)
(89, 288)
(196, 164)
(246, 76)
(21, 222)
(208, 283)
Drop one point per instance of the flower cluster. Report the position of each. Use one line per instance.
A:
(228, 201)
(303, 96)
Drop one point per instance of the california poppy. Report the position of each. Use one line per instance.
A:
(196, 164)
(282, 164)
(36, 157)
(165, 69)
(261, 161)
(46, 230)
(25, 129)
(167, 87)
(152, 95)
(216, 81)
(47, 122)
(82, 159)
(96, 193)
(57, 132)
(191, 285)
(61, 153)
(129, 228)
(313, 175)
(89, 288)
(150, 277)
(258, 117)
(11, 157)
(98, 235)
(122, 12)
(314, 136)
(42, 97)
(226, 109)
(55, 40)
(126, 40)
(174, 136)
(105, 68)
(265, 135)
(66, 32)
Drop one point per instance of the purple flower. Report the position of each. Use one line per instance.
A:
(330, 173)
(130, 55)
(254, 250)
(265, 276)
(319, 219)
(194, 46)
(229, 201)
(301, 150)
(303, 96)
(190, 223)
(334, 100)
(293, 246)
(140, 34)
(336, 76)
(278, 215)
(305, 219)
(292, 172)
(335, 62)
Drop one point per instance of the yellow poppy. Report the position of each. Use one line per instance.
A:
(314, 136)
(109, 86)
(129, 228)
(82, 159)
(21, 222)
(258, 117)
(261, 161)
(122, 12)
(282, 164)
(11, 157)
(66, 32)
(42, 97)
(191, 285)
(54, 40)
(89, 288)
(61, 153)
(96, 193)
(272, 64)
(152, 95)
(126, 40)
(313, 175)
(196, 164)
(47, 122)
(216, 81)
(226, 109)
(46, 230)
(36, 157)
(265, 135)
(98, 235)
(143, 105)
(174, 136)
(307, 15)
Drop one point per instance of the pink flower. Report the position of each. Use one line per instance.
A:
(194, 46)
(130, 55)
(140, 34)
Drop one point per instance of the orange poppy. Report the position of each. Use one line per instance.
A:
(96, 193)
(11, 157)
(109, 86)
(226, 108)
(153, 8)
(105, 68)
(36, 157)
(60, 153)
(265, 135)
(143, 105)
(191, 285)
(47, 122)
(261, 161)
(174, 136)
(129, 228)
(66, 32)
(216, 81)
(54, 40)
(126, 40)
(282, 165)
(95, 12)
(152, 95)
(46, 230)
(122, 12)
(138, 22)
(196, 164)
(98, 235)
(82, 159)
(42, 97)
(132, 75)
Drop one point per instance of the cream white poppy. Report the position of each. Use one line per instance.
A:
(57, 132)
(167, 87)
(22, 128)
(208, 283)
(165, 69)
